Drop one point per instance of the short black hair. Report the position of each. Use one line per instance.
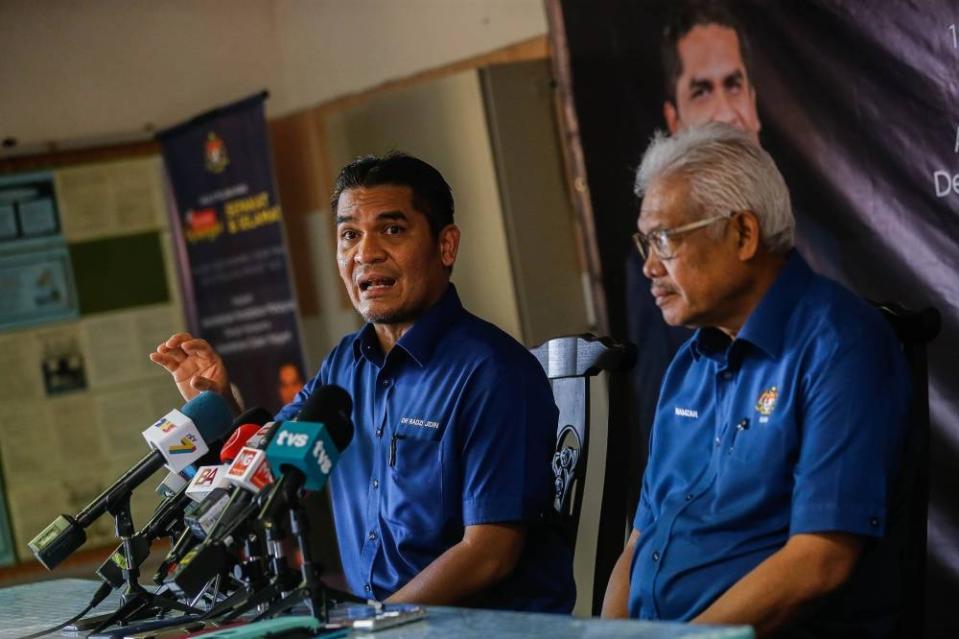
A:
(431, 194)
(683, 17)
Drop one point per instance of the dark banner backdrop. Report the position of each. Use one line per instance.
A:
(859, 103)
(230, 246)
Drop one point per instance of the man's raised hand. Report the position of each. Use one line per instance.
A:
(194, 365)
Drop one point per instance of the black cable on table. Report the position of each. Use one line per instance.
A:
(98, 597)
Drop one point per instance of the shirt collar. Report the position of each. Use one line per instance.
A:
(766, 325)
(420, 340)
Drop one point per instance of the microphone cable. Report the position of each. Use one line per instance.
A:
(102, 592)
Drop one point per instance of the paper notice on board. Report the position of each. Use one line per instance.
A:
(33, 505)
(20, 373)
(138, 194)
(152, 326)
(163, 397)
(22, 426)
(113, 198)
(86, 204)
(41, 363)
(118, 345)
(77, 432)
(124, 415)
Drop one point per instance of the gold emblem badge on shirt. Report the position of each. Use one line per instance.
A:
(767, 403)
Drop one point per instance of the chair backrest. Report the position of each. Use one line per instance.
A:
(570, 362)
(908, 518)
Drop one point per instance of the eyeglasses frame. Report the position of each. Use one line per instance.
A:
(639, 236)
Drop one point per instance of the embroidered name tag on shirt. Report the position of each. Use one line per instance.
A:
(422, 423)
(687, 412)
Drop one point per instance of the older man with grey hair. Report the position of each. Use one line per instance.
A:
(779, 427)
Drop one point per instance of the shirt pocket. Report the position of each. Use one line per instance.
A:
(759, 453)
(415, 469)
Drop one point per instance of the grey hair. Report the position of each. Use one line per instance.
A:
(723, 171)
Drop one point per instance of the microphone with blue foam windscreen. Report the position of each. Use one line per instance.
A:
(177, 440)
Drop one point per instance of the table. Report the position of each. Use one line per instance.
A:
(32, 607)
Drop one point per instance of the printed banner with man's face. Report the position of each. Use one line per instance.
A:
(237, 288)
(858, 103)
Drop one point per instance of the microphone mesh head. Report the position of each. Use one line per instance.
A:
(232, 447)
(332, 406)
(211, 414)
(256, 415)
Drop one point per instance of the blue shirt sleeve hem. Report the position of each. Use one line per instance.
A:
(488, 511)
(856, 519)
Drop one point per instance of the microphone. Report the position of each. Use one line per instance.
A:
(207, 479)
(237, 441)
(171, 485)
(304, 452)
(219, 515)
(177, 440)
(250, 472)
(210, 486)
(178, 493)
(209, 489)
(221, 494)
(255, 415)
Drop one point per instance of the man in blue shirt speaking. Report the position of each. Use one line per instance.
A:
(442, 496)
(780, 423)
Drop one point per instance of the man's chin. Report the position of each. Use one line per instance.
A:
(388, 316)
(674, 318)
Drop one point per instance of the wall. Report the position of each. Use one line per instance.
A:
(444, 122)
(79, 73)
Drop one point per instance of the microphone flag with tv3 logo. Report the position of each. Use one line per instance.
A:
(177, 440)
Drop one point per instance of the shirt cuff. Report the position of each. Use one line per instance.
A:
(495, 510)
(859, 519)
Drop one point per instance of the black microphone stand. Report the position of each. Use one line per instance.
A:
(138, 603)
(311, 591)
(283, 579)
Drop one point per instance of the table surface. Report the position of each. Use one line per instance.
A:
(32, 607)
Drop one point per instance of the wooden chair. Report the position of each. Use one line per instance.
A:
(908, 517)
(570, 362)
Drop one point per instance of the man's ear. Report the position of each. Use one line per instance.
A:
(449, 244)
(749, 235)
(672, 117)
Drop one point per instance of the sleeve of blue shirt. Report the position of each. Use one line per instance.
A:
(508, 434)
(853, 421)
(644, 516)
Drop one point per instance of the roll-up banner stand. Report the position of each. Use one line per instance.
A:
(228, 233)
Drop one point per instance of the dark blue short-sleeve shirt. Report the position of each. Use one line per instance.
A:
(455, 426)
(796, 426)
